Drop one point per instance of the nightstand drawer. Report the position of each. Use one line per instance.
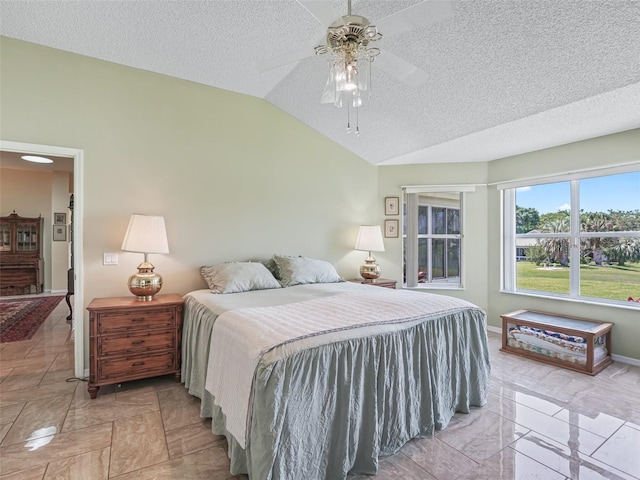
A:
(136, 365)
(132, 320)
(136, 343)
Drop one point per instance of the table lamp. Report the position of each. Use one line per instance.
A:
(370, 239)
(145, 234)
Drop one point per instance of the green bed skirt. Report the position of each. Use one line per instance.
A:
(331, 411)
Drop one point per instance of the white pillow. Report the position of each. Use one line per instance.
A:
(302, 270)
(236, 277)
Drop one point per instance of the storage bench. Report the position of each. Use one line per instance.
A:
(570, 342)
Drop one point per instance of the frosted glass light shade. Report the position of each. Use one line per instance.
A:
(370, 239)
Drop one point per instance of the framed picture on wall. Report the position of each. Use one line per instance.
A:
(59, 233)
(59, 218)
(391, 205)
(391, 228)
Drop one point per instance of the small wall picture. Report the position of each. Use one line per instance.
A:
(59, 233)
(391, 206)
(391, 228)
(59, 218)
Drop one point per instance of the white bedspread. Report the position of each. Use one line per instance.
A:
(244, 337)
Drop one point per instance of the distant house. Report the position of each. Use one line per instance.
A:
(523, 244)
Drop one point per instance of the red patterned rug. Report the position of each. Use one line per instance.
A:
(20, 318)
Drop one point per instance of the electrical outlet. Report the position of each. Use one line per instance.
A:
(110, 259)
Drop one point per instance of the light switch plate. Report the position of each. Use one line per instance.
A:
(110, 259)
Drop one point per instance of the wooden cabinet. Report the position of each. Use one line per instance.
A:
(21, 262)
(131, 339)
(378, 282)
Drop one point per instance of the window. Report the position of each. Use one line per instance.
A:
(432, 237)
(574, 237)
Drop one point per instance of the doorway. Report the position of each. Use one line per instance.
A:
(77, 157)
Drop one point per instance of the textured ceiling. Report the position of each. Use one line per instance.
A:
(504, 76)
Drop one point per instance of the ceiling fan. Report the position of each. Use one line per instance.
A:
(348, 44)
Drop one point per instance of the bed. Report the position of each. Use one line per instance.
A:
(318, 380)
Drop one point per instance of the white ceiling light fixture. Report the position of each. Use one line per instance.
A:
(36, 159)
(351, 56)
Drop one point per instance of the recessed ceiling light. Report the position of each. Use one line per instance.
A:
(35, 159)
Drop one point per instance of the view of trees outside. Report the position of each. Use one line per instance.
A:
(609, 238)
(596, 250)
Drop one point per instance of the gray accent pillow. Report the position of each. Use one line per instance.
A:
(302, 270)
(236, 277)
(272, 267)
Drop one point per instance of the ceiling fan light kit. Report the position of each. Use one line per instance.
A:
(350, 54)
(350, 61)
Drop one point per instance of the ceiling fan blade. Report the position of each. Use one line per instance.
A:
(285, 59)
(418, 15)
(400, 68)
(322, 10)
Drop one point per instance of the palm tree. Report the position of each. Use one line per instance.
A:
(595, 222)
(557, 248)
(626, 250)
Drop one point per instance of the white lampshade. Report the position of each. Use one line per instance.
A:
(370, 239)
(146, 234)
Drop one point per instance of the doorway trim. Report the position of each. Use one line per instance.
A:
(78, 216)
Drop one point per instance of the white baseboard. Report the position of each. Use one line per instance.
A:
(616, 358)
(623, 359)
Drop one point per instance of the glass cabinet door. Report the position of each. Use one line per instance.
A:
(5, 237)
(27, 238)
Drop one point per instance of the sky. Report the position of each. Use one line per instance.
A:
(613, 192)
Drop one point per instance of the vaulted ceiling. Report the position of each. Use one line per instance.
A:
(503, 76)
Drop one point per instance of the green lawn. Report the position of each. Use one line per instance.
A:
(613, 282)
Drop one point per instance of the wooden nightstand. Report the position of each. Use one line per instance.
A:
(378, 282)
(130, 339)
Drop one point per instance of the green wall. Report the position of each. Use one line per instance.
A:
(391, 179)
(238, 179)
(598, 152)
(234, 177)
(481, 248)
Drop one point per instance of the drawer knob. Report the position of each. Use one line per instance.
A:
(137, 364)
(137, 342)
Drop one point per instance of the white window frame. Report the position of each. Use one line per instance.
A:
(574, 236)
(410, 234)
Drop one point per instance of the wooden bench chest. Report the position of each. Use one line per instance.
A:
(569, 342)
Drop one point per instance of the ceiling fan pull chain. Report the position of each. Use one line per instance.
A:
(348, 117)
(357, 122)
(369, 80)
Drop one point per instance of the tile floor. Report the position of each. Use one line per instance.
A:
(540, 422)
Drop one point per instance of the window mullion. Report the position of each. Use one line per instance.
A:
(574, 241)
